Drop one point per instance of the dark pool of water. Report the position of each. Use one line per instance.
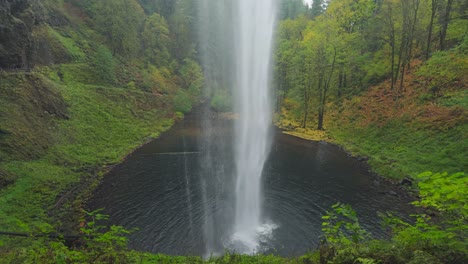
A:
(160, 189)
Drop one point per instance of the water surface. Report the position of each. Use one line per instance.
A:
(159, 190)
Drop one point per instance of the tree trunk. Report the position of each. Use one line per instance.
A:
(340, 82)
(324, 93)
(411, 36)
(393, 59)
(320, 108)
(445, 22)
(306, 108)
(431, 26)
(320, 118)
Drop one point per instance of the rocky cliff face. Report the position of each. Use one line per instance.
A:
(21, 42)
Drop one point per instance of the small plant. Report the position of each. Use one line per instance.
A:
(104, 65)
(341, 226)
(441, 229)
(107, 244)
(182, 101)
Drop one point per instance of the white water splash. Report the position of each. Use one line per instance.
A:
(246, 243)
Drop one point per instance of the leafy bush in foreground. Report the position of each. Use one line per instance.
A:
(438, 235)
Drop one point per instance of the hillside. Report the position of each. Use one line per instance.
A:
(384, 79)
(74, 101)
(402, 134)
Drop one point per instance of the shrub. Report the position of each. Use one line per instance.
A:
(221, 101)
(104, 65)
(182, 102)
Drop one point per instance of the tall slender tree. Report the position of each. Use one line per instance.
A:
(444, 22)
(317, 8)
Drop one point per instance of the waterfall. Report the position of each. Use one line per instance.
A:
(236, 41)
(187, 187)
(254, 41)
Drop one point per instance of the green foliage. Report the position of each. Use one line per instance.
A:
(104, 65)
(444, 192)
(106, 123)
(446, 235)
(376, 68)
(292, 8)
(182, 102)
(119, 21)
(347, 46)
(70, 45)
(156, 38)
(163, 7)
(221, 101)
(182, 45)
(192, 77)
(443, 70)
(454, 99)
(317, 8)
(22, 204)
(394, 150)
(105, 244)
(341, 226)
(102, 125)
(442, 239)
(59, 127)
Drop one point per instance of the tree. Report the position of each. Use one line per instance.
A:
(288, 57)
(192, 77)
(155, 38)
(444, 22)
(389, 19)
(320, 46)
(410, 10)
(317, 8)
(349, 45)
(119, 21)
(104, 64)
(181, 23)
(164, 7)
(292, 8)
(434, 7)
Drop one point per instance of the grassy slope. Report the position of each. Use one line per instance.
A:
(103, 125)
(59, 128)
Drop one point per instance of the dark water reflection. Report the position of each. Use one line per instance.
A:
(158, 190)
